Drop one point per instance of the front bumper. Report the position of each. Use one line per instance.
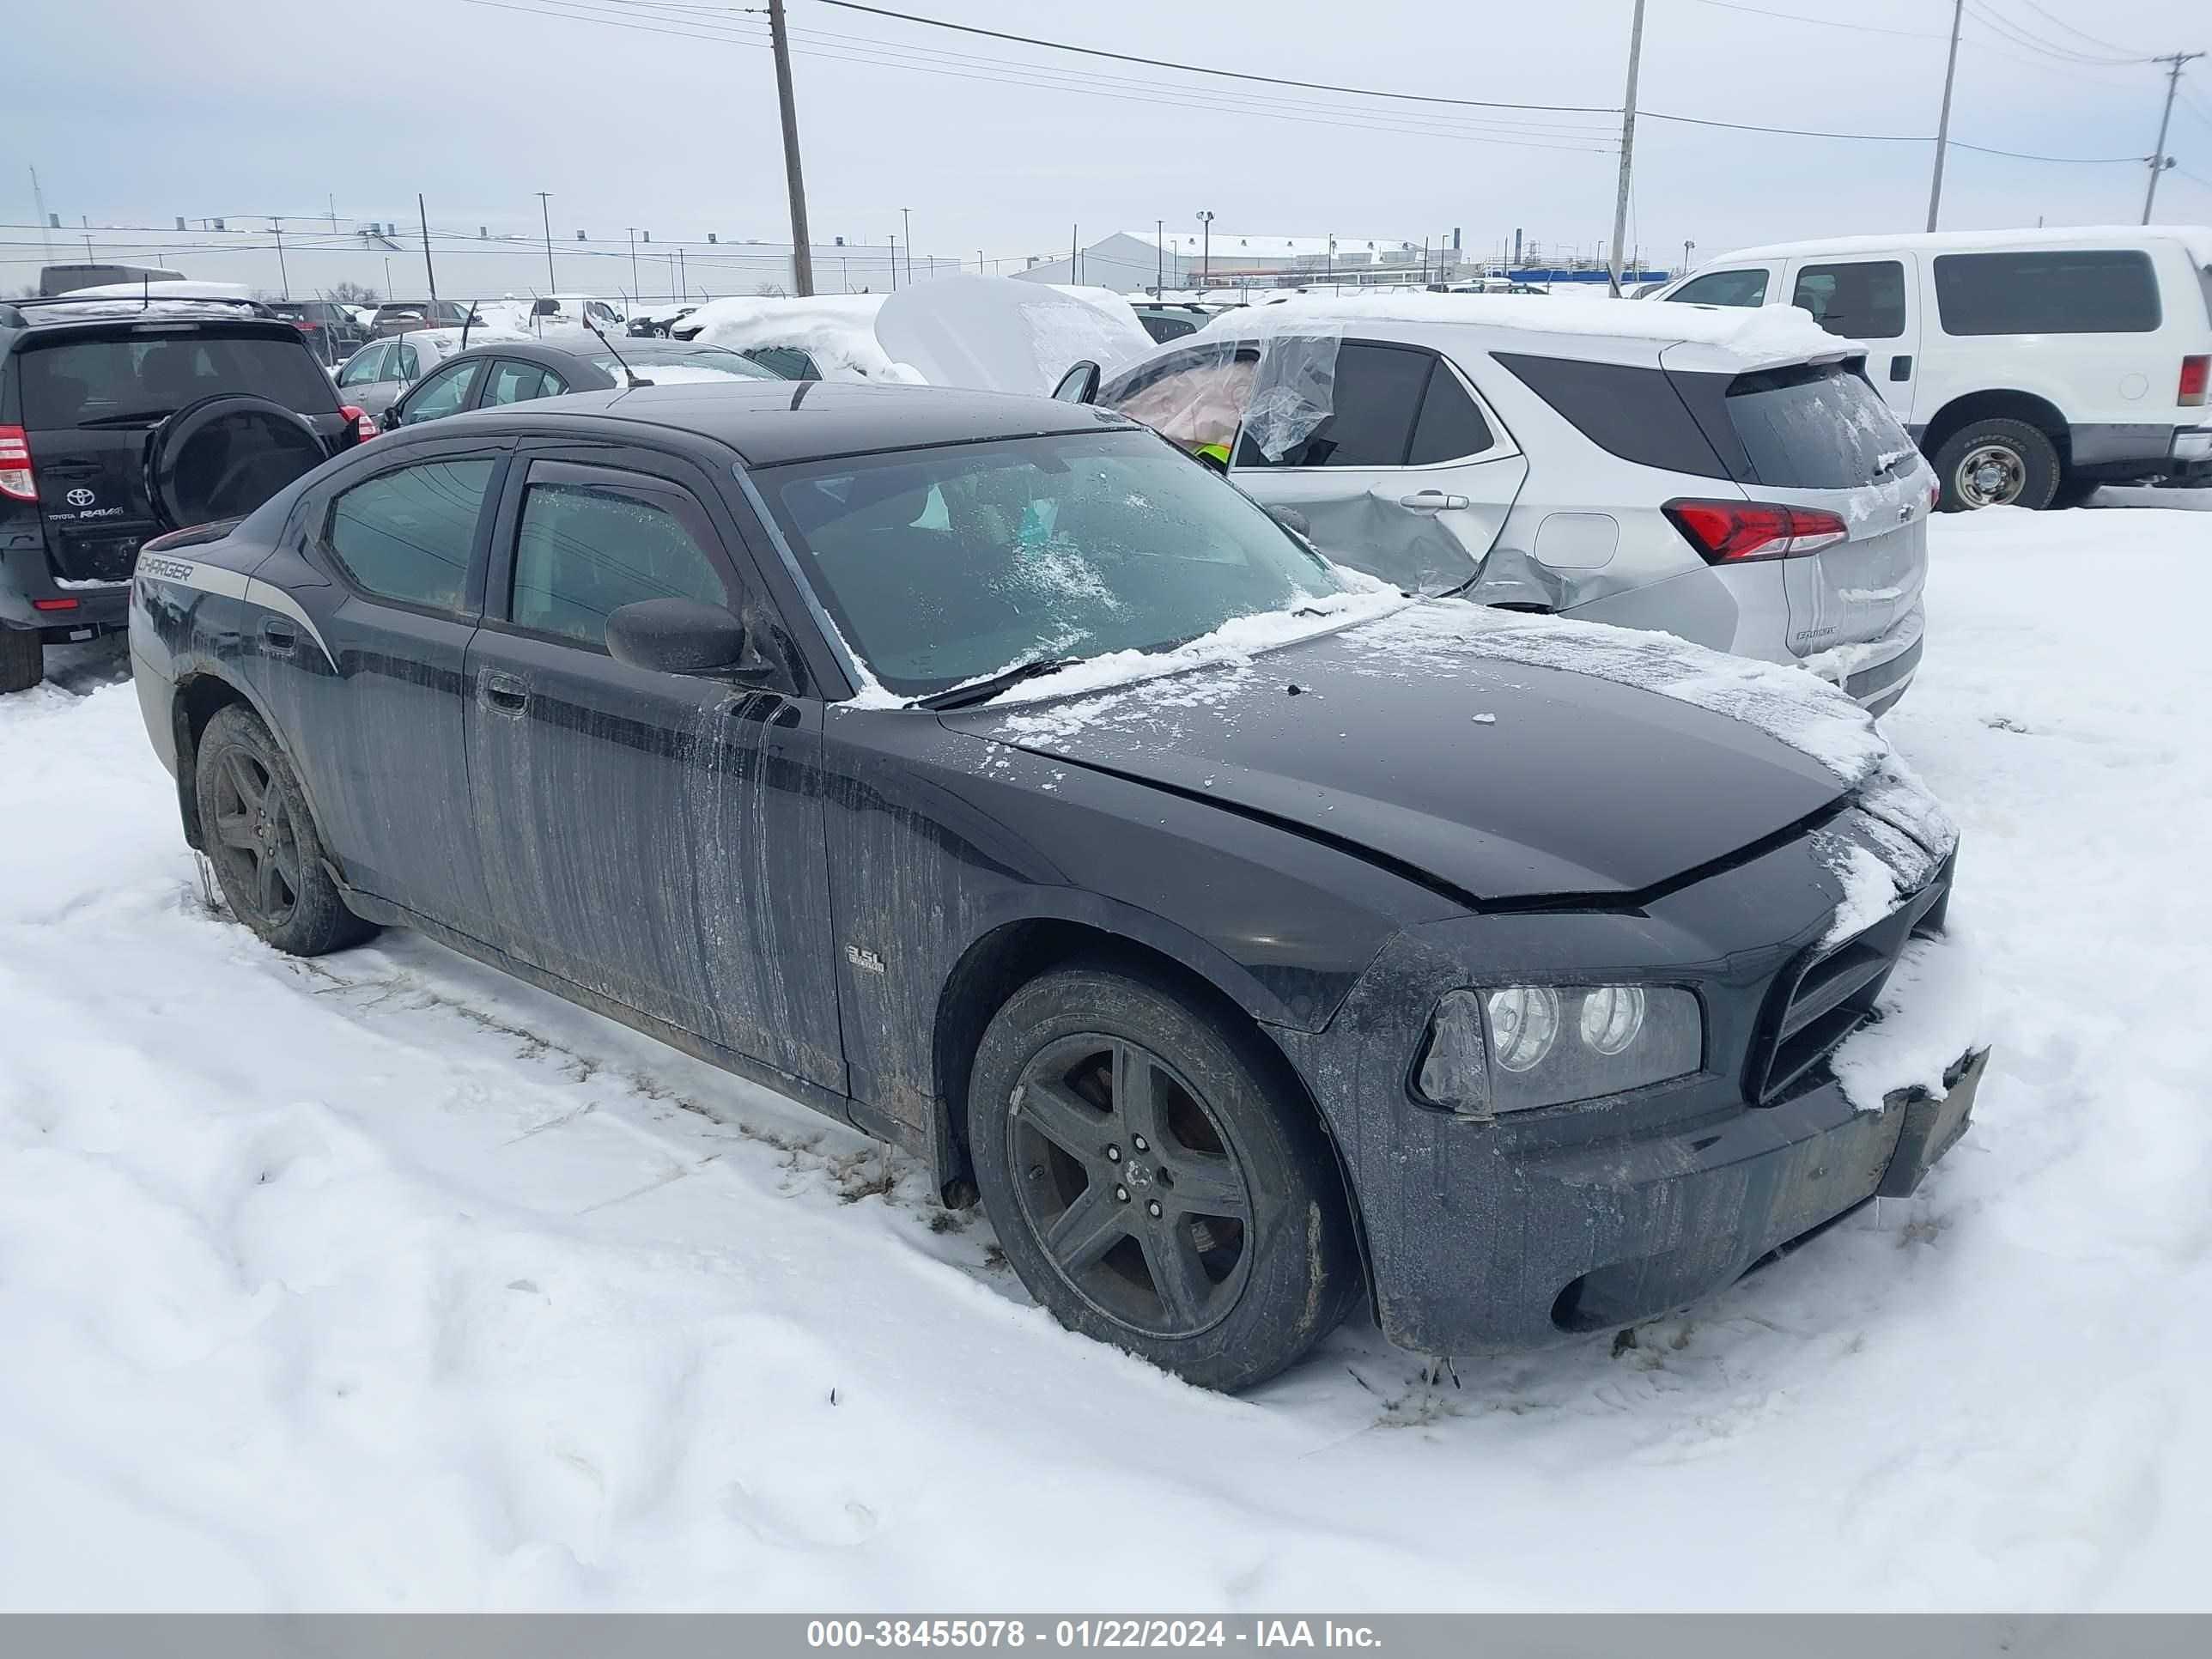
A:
(1491, 1235)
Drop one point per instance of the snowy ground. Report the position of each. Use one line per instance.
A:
(385, 1282)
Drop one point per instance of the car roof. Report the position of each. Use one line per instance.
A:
(66, 312)
(2194, 237)
(770, 422)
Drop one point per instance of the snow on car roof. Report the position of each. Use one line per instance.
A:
(838, 330)
(2196, 238)
(1728, 336)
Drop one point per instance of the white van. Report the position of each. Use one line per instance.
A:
(2031, 366)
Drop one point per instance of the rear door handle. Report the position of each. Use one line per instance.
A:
(1431, 500)
(279, 636)
(505, 693)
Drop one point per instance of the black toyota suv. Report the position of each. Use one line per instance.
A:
(121, 419)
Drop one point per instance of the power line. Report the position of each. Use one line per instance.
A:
(1823, 22)
(1200, 69)
(2102, 45)
(2019, 34)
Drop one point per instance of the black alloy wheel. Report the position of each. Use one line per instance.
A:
(254, 842)
(259, 836)
(1156, 1174)
(1130, 1185)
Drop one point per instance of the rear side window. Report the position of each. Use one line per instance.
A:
(2051, 291)
(592, 541)
(147, 376)
(1632, 412)
(514, 383)
(1861, 301)
(1164, 329)
(1723, 288)
(786, 360)
(407, 534)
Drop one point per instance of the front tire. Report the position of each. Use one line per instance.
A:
(22, 660)
(261, 840)
(1152, 1182)
(1997, 463)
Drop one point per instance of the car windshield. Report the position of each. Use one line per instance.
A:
(945, 565)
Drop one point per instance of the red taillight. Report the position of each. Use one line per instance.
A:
(364, 423)
(2194, 372)
(1732, 532)
(305, 325)
(17, 483)
(54, 605)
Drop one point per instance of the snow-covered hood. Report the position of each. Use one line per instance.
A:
(1506, 757)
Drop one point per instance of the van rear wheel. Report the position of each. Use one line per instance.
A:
(1997, 463)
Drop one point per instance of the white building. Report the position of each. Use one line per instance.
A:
(1132, 260)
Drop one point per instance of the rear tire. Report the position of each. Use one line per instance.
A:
(1152, 1182)
(261, 840)
(1997, 463)
(22, 660)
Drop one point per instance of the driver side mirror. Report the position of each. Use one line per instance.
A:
(1078, 385)
(685, 636)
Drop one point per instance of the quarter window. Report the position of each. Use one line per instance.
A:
(1864, 300)
(407, 534)
(592, 541)
(1724, 287)
(2047, 291)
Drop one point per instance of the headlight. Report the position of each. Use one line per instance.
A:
(1524, 1046)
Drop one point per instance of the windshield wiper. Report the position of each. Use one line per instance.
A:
(142, 417)
(962, 697)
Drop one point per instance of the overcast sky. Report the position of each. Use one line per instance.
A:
(137, 110)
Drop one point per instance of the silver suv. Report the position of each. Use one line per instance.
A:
(1729, 478)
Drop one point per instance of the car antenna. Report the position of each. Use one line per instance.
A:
(631, 381)
(469, 317)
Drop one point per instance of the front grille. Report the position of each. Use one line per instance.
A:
(1830, 993)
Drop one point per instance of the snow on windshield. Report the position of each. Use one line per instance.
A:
(837, 330)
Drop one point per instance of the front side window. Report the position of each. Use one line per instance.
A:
(444, 393)
(941, 565)
(592, 540)
(1389, 406)
(1723, 288)
(2047, 291)
(1196, 400)
(408, 534)
(364, 366)
(1864, 300)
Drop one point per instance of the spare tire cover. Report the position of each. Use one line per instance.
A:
(223, 456)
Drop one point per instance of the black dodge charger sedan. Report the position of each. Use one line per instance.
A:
(986, 773)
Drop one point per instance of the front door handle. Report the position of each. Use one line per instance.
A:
(1431, 500)
(506, 693)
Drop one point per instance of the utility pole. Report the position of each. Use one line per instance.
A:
(1628, 143)
(277, 226)
(1943, 121)
(1159, 257)
(906, 230)
(46, 224)
(1687, 246)
(634, 287)
(1205, 246)
(982, 269)
(2160, 161)
(422, 217)
(546, 213)
(802, 250)
(894, 265)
